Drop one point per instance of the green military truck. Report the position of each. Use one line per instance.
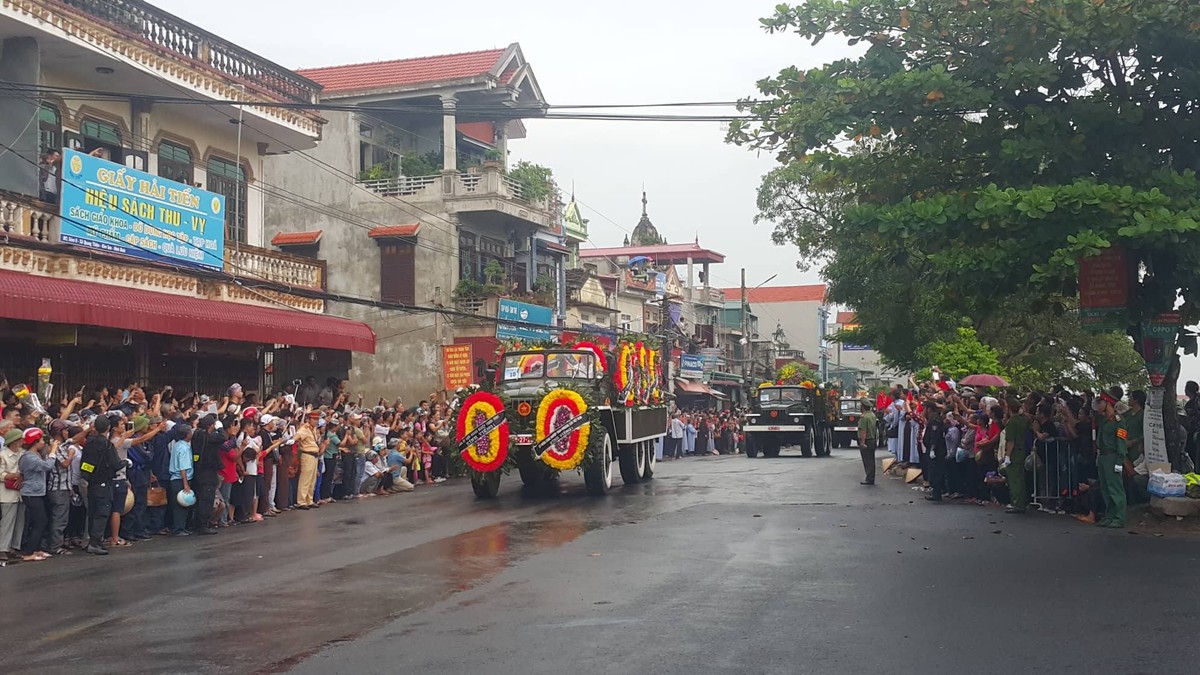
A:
(785, 415)
(559, 389)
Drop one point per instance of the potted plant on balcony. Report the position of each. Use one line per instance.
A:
(545, 290)
(427, 164)
(468, 289)
(494, 278)
(493, 159)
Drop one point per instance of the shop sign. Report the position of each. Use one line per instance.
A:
(1103, 290)
(525, 313)
(458, 366)
(691, 366)
(853, 348)
(109, 207)
(1157, 345)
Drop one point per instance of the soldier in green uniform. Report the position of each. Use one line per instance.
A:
(866, 442)
(1014, 457)
(1111, 437)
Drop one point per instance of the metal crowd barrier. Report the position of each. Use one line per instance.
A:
(1056, 476)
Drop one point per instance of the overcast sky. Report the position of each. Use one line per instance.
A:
(582, 53)
(620, 51)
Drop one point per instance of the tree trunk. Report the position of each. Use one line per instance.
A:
(1176, 437)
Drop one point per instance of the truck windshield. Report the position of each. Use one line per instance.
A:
(780, 395)
(570, 365)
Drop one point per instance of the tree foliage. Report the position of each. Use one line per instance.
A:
(981, 148)
(959, 357)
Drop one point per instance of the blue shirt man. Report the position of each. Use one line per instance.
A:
(181, 459)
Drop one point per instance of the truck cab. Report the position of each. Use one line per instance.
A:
(787, 415)
(845, 425)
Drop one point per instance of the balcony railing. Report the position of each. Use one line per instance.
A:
(25, 217)
(275, 266)
(166, 31)
(490, 183)
(404, 186)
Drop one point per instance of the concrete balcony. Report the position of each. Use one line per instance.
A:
(138, 39)
(25, 220)
(486, 192)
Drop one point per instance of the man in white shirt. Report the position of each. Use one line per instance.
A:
(676, 437)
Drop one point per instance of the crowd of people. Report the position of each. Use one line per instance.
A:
(1079, 453)
(121, 466)
(699, 432)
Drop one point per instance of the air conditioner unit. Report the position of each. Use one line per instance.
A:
(521, 246)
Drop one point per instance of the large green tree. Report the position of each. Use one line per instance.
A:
(987, 146)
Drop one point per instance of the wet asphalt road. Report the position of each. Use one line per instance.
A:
(726, 565)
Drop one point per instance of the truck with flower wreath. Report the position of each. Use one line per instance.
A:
(790, 414)
(558, 407)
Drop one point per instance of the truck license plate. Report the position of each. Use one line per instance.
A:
(524, 439)
(772, 428)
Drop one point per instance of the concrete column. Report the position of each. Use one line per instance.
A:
(449, 134)
(502, 140)
(707, 279)
(20, 63)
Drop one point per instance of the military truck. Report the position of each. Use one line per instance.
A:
(630, 412)
(845, 425)
(789, 415)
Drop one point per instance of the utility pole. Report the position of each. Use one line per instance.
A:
(823, 317)
(745, 316)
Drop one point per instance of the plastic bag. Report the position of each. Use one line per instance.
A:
(1167, 484)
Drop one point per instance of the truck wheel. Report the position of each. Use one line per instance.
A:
(627, 458)
(751, 446)
(597, 474)
(486, 485)
(806, 443)
(651, 460)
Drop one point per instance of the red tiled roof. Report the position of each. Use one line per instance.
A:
(296, 238)
(404, 72)
(845, 318)
(770, 294)
(484, 132)
(383, 231)
(661, 254)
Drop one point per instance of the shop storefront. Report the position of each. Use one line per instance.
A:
(102, 335)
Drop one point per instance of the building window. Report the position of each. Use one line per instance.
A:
(49, 129)
(398, 272)
(227, 178)
(175, 163)
(102, 135)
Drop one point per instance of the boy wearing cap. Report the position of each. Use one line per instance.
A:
(34, 465)
(12, 509)
(59, 484)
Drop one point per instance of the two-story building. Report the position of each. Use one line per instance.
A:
(140, 252)
(417, 207)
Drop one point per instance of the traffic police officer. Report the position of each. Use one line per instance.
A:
(1111, 434)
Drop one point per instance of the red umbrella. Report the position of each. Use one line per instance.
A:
(984, 381)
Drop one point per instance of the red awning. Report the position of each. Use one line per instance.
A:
(32, 298)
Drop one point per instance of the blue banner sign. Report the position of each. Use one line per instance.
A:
(109, 207)
(512, 310)
(691, 366)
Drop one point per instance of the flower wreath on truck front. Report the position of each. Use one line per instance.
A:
(568, 431)
(481, 431)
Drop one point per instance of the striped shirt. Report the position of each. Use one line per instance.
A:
(59, 478)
